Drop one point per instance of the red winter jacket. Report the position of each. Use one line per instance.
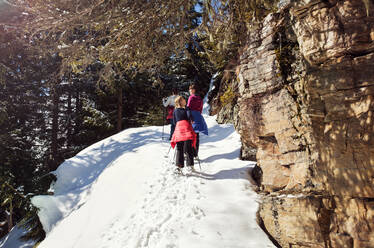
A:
(183, 131)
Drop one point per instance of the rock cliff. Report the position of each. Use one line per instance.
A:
(305, 102)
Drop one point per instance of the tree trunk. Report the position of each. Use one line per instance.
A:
(54, 145)
(78, 113)
(120, 109)
(69, 126)
(9, 216)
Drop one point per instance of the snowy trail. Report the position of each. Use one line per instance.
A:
(122, 193)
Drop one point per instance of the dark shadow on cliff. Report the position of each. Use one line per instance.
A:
(261, 224)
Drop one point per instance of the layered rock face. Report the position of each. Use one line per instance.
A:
(306, 89)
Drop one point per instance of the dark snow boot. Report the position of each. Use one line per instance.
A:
(178, 170)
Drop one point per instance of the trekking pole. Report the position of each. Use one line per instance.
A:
(198, 160)
(167, 154)
(174, 156)
(169, 150)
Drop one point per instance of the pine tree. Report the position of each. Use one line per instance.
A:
(64, 87)
(20, 123)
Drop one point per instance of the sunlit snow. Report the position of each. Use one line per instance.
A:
(122, 192)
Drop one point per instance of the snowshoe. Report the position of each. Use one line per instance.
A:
(191, 169)
(178, 171)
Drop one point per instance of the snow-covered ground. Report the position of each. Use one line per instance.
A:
(121, 192)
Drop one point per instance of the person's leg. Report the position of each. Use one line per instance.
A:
(188, 149)
(172, 128)
(179, 160)
(196, 150)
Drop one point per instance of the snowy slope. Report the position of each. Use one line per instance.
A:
(121, 192)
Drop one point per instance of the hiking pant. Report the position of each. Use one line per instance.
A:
(172, 127)
(184, 147)
(196, 150)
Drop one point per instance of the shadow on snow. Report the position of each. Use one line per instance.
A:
(238, 173)
(231, 155)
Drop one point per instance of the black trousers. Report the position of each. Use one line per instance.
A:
(172, 127)
(184, 147)
(196, 150)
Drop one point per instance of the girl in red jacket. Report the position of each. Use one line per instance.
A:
(184, 136)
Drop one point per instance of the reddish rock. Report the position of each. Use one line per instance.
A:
(306, 102)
